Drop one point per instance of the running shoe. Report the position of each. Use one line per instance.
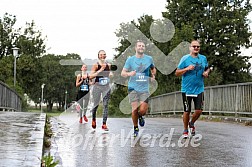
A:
(104, 127)
(141, 121)
(80, 121)
(136, 130)
(85, 118)
(185, 134)
(192, 128)
(93, 124)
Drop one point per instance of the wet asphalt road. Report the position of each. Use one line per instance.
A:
(21, 139)
(159, 143)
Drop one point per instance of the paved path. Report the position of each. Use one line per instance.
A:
(21, 139)
(159, 144)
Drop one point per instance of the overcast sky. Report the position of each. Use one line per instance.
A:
(81, 26)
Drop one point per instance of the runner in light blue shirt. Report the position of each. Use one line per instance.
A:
(193, 81)
(138, 68)
(193, 68)
(142, 65)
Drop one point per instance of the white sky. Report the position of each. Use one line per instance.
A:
(82, 26)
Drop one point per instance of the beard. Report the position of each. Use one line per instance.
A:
(140, 52)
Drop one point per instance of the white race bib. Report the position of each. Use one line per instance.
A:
(191, 95)
(103, 81)
(140, 77)
(84, 88)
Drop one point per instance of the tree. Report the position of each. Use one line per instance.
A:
(31, 41)
(7, 34)
(57, 79)
(31, 46)
(222, 27)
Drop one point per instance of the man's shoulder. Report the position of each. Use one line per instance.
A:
(185, 57)
(148, 56)
(202, 56)
(130, 58)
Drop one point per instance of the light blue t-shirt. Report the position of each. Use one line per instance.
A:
(139, 82)
(193, 81)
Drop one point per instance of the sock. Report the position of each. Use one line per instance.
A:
(191, 123)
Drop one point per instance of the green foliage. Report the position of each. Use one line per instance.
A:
(222, 27)
(48, 161)
(58, 79)
(48, 130)
(6, 69)
(34, 68)
(7, 34)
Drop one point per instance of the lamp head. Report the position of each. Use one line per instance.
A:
(15, 51)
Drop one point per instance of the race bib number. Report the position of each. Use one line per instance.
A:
(103, 81)
(140, 77)
(84, 88)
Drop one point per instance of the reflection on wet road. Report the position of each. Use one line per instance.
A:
(159, 143)
(21, 138)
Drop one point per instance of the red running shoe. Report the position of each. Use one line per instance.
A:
(192, 127)
(185, 134)
(104, 127)
(85, 118)
(93, 124)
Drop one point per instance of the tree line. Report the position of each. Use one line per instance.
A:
(221, 26)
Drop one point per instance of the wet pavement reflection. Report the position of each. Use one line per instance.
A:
(160, 143)
(21, 138)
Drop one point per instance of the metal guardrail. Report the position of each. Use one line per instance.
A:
(9, 99)
(232, 99)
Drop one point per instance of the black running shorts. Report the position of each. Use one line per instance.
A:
(198, 102)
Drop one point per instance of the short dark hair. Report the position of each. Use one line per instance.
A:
(139, 41)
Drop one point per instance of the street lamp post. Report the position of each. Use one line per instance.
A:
(15, 54)
(65, 100)
(42, 87)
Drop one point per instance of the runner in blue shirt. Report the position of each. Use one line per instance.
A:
(193, 68)
(138, 68)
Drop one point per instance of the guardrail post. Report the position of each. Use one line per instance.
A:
(236, 100)
(210, 101)
(150, 109)
(174, 105)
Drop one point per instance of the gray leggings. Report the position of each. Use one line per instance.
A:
(83, 101)
(97, 92)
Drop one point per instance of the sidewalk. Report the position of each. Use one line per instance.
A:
(21, 138)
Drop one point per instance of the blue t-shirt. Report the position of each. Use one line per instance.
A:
(139, 82)
(193, 81)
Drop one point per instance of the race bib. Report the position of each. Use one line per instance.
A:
(140, 77)
(84, 88)
(103, 81)
(191, 95)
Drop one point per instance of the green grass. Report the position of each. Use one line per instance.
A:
(49, 114)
